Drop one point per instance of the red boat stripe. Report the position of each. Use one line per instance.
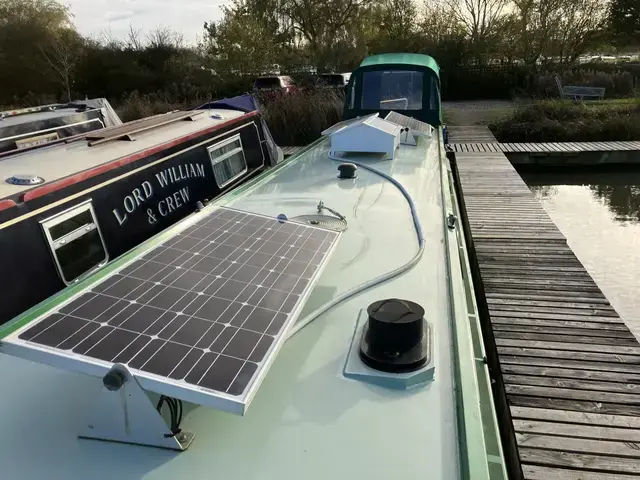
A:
(92, 172)
(6, 203)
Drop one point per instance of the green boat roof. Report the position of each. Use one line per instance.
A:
(415, 59)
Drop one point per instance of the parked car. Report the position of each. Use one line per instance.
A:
(274, 85)
(333, 80)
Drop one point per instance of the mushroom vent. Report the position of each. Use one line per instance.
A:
(21, 179)
(395, 337)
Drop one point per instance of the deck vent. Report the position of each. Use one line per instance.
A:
(370, 134)
(394, 339)
(324, 221)
(22, 179)
(392, 346)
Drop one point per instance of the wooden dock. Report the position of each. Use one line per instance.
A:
(571, 367)
(544, 148)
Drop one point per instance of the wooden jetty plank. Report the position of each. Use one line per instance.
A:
(575, 405)
(632, 351)
(537, 472)
(575, 460)
(575, 417)
(579, 445)
(577, 430)
(537, 351)
(547, 324)
(560, 310)
(541, 361)
(569, 337)
(546, 297)
(573, 384)
(571, 374)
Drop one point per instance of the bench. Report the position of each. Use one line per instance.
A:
(579, 93)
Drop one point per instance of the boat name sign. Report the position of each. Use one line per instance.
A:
(143, 194)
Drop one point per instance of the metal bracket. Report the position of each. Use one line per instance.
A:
(123, 413)
(407, 137)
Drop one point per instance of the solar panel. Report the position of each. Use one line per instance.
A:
(418, 127)
(205, 311)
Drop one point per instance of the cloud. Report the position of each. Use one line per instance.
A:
(93, 17)
(117, 16)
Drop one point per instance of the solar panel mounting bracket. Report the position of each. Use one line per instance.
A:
(407, 137)
(123, 413)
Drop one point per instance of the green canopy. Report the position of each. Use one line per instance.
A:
(416, 59)
(408, 83)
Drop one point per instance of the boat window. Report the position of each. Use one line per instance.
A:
(227, 159)
(76, 243)
(392, 90)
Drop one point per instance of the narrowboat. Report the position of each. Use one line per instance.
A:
(28, 128)
(69, 207)
(317, 322)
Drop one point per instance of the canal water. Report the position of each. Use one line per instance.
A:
(599, 213)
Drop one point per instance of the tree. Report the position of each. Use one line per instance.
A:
(240, 43)
(624, 22)
(397, 25)
(62, 54)
(26, 26)
(322, 22)
(480, 19)
(579, 25)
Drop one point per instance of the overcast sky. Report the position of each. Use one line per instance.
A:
(185, 16)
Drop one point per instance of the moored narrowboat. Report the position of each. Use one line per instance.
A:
(67, 208)
(332, 295)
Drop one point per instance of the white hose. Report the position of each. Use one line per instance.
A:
(382, 278)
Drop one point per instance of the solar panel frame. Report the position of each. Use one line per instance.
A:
(418, 128)
(195, 393)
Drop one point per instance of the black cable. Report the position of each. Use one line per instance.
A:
(175, 413)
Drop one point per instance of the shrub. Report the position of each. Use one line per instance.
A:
(135, 106)
(298, 118)
(565, 121)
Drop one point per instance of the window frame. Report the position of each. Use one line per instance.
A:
(224, 156)
(48, 223)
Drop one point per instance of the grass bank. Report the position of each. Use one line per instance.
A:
(566, 121)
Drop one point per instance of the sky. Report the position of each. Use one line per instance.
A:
(93, 17)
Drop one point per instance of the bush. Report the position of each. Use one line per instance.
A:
(135, 106)
(298, 118)
(565, 121)
(616, 84)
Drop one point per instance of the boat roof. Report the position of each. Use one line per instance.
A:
(307, 420)
(40, 115)
(414, 59)
(61, 160)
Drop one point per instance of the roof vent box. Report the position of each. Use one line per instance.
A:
(370, 134)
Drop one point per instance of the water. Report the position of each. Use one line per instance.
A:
(599, 213)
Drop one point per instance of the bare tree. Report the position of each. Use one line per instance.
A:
(134, 40)
(61, 55)
(164, 37)
(479, 17)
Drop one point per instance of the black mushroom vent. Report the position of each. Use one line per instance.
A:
(395, 337)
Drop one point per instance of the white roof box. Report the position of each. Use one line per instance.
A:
(370, 134)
